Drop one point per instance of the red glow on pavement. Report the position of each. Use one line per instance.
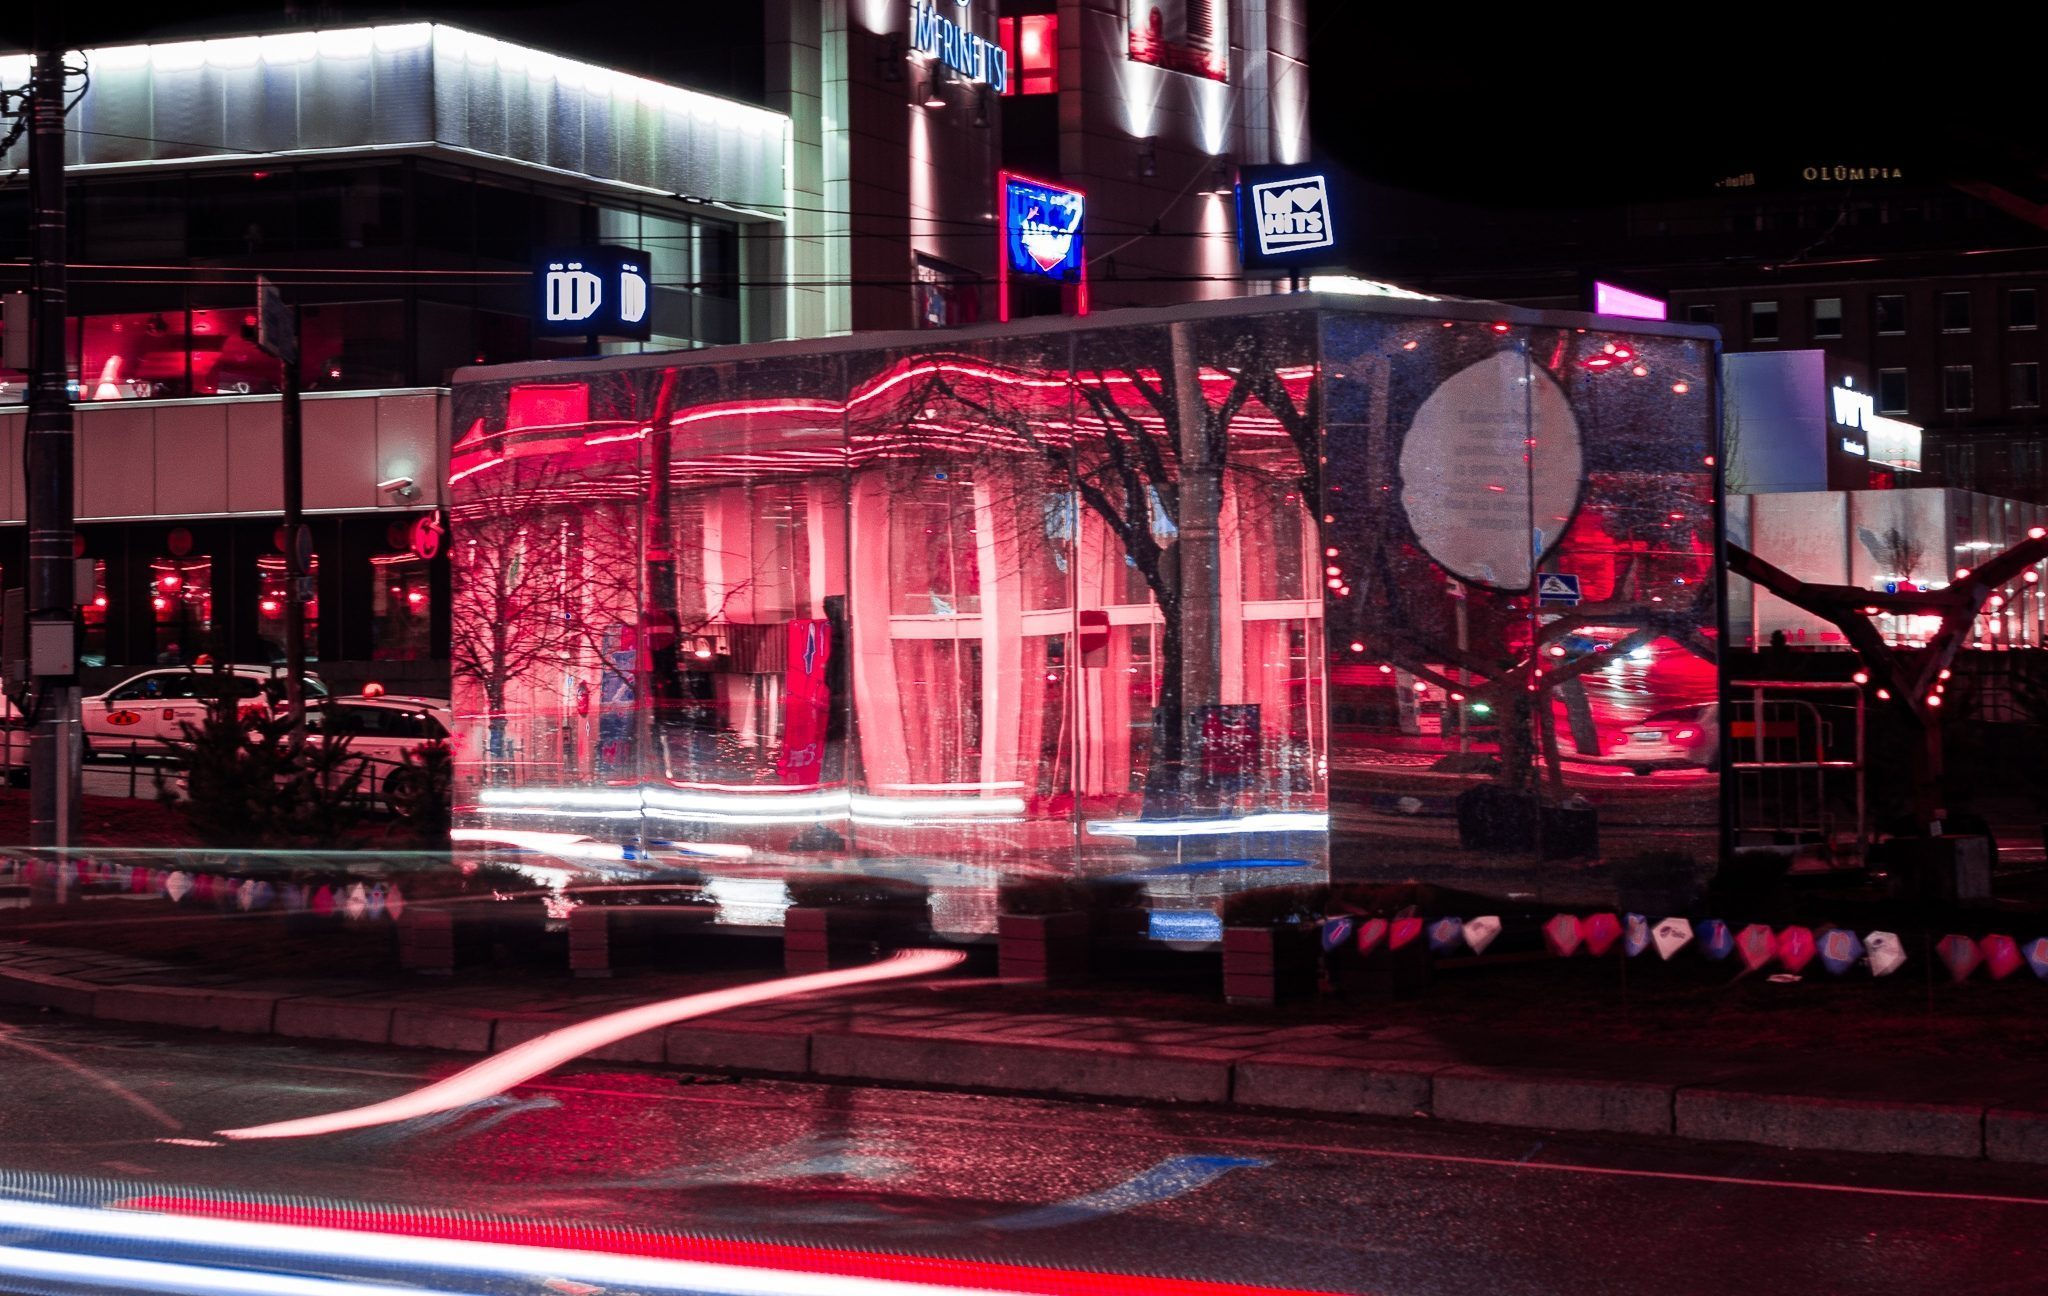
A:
(517, 1065)
(975, 1275)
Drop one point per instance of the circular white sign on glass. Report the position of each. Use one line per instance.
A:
(1491, 471)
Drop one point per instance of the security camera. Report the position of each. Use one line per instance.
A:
(403, 487)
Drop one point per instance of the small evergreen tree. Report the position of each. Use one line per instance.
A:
(246, 787)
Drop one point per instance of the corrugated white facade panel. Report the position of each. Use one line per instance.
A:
(417, 86)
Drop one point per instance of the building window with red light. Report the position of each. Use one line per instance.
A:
(273, 590)
(181, 607)
(93, 651)
(401, 607)
(1032, 42)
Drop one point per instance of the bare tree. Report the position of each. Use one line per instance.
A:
(1908, 680)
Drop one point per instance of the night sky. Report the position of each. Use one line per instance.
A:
(1498, 106)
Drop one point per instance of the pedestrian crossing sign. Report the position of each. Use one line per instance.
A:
(1557, 588)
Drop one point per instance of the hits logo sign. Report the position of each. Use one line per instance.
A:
(1293, 215)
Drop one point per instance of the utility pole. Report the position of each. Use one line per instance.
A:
(278, 333)
(48, 465)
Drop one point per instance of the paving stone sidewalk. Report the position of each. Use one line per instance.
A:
(949, 1034)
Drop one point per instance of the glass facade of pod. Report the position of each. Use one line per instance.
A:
(1214, 597)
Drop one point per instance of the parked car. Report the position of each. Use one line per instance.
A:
(146, 714)
(1677, 736)
(384, 731)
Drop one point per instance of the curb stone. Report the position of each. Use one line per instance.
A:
(1306, 1082)
(1490, 1096)
(1276, 1081)
(1809, 1123)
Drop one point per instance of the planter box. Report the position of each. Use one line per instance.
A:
(1262, 965)
(1940, 870)
(1049, 949)
(820, 939)
(1383, 973)
(426, 941)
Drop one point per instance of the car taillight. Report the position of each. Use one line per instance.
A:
(1684, 734)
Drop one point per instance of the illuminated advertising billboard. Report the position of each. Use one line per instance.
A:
(1889, 442)
(593, 292)
(1288, 217)
(1191, 36)
(1613, 299)
(1041, 229)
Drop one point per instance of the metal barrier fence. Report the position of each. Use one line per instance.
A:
(1796, 759)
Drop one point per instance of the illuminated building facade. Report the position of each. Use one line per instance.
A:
(1210, 588)
(1146, 107)
(396, 182)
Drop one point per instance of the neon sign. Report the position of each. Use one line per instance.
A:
(1888, 441)
(1041, 237)
(1611, 299)
(599, 290)
(1286, 216)
(974, 57)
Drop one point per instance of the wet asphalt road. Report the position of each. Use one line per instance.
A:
(1334, 1205)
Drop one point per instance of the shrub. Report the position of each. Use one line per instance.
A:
(853, 891)
(422, 797)
(246, 787)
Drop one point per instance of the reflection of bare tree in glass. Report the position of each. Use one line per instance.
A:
(544, 563)
(1147, 447)
(1897, 554)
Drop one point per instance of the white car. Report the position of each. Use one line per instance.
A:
(384, 732)
(147, 713)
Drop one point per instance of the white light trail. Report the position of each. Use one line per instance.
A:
(515, 1066)
(1273, 821)
(302, 1244)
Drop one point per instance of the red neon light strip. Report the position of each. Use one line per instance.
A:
(984, 1275)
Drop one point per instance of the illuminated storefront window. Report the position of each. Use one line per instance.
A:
(1033, 43)
(181, 604)
(401, 607)
(93, 649)
(272, 592)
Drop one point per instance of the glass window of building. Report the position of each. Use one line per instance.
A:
(353, 345)
(1032, 42)
(351, 207)
(444, 211)
(1955, 312)
(1962, 465)
(224, 356)
(273, 592)
(2021, 309)
(1891, 313)
(401, 602)
(1699, 313)
(92, 650)
(1891, 391)
(1958, 389)
(241, 213)
(1827, 317)
(1763, 321)
(181, 607)
(134, 357)
(2024, 386)
(130, 222)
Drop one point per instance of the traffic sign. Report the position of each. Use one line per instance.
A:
(1557, 589)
